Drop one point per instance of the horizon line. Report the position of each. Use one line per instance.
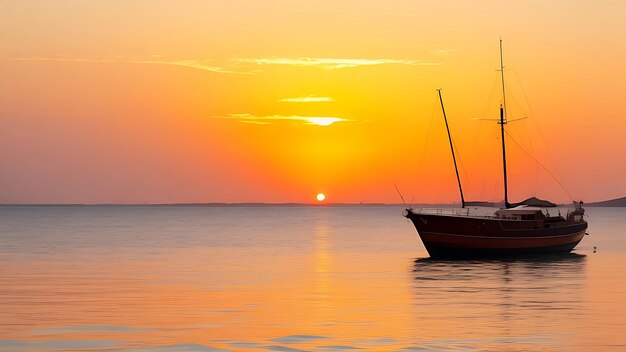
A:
(207, 204)
(234, 204)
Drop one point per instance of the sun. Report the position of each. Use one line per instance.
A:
(320, 197)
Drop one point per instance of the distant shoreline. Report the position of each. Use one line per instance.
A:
(617, 202)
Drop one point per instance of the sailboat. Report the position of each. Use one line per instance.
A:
(517, 229)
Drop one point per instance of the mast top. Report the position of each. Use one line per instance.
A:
(502, 79)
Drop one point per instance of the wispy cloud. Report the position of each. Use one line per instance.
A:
(254, 122)
(307, 99)
(197, 64)
(332, 63)
(442, 51)
(264, 120)
(204, 65)
(235, 66)
(60, 58)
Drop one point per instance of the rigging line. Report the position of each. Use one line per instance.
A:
(473, 152)
(478, 134)
(496, 187)
(532, 113)
(490, 169)
(526, 137)
(518, 105)
(425, 145)
(530, 108)
(430, 125)
(511, 96)
(484, 187)
(540, 164)
(494, 86)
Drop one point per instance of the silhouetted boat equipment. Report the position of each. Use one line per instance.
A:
(518, 228)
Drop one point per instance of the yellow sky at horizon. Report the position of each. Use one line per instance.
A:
(241, 101)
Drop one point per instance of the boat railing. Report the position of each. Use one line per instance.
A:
(482, 212)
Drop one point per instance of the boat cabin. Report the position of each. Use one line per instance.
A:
(521, 212)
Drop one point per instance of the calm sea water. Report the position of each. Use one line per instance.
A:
(192, 278)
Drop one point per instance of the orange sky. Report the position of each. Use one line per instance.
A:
(211, 101)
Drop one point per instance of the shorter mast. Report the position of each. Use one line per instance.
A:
(458, 179)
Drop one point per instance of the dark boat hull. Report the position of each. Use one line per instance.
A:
(446, 236)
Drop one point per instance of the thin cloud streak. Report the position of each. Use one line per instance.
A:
(308, 120)
(206, 65)
(197, 64)
(442, 51)
(256, 122)
(203, 65)
(307, 99)
(61, 59)
(332, 63)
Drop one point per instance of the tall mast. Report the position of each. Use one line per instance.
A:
(502, 122)
(458, 179)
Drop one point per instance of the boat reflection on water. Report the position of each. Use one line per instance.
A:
(564, 263)
(526, 301)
